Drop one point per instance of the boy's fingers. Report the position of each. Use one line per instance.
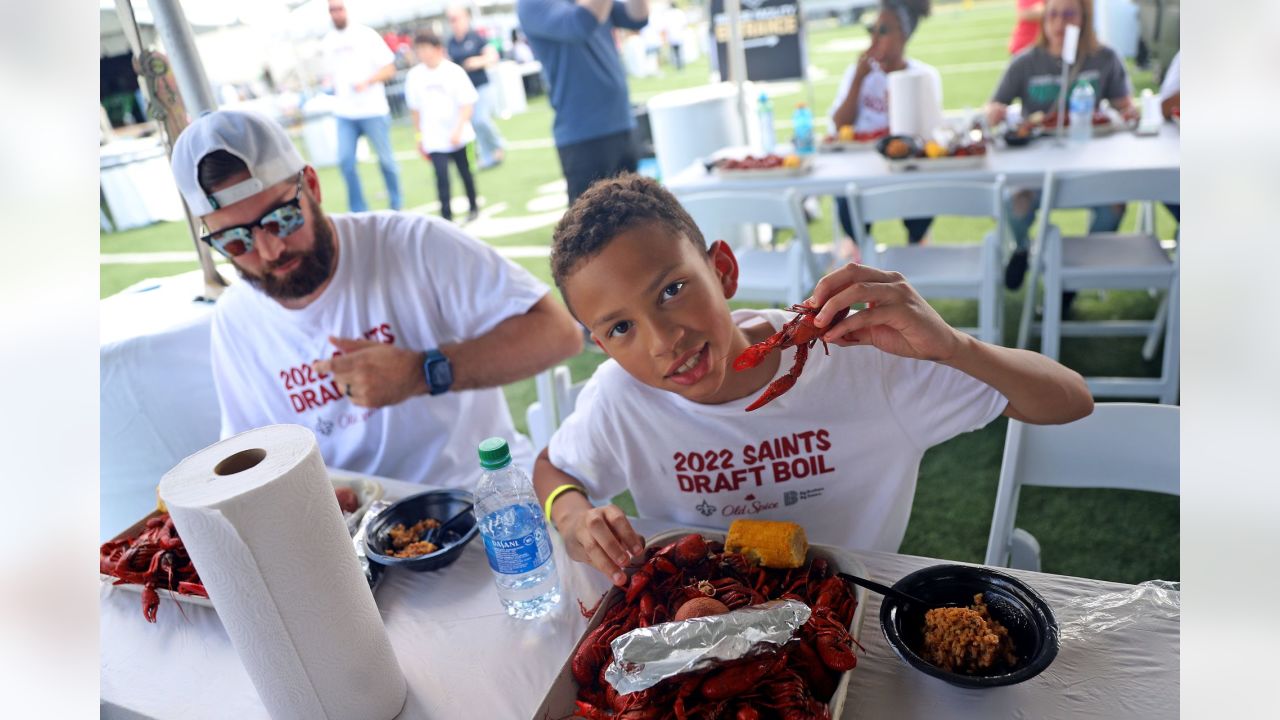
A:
(860, 320)
(851, 273)
(605, 537)
(876, 293)
(600, 561)
(632, 543)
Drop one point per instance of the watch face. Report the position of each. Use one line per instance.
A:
(441, 375)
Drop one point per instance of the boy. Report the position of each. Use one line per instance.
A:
(441, 99)
(665, 416)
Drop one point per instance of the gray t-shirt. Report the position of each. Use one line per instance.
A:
(1035, 76)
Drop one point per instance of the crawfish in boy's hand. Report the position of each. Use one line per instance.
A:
(800, 333)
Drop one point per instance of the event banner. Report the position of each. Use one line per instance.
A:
(771, 38)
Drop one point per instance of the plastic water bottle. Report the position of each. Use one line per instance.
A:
(802, 125)
(764, 109)
(515, 535)
(1081, 111)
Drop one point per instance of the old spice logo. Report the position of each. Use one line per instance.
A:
(750, 507)
(324, 427)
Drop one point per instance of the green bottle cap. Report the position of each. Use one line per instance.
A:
(494, 453)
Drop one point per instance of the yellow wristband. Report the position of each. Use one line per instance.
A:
(546, 507)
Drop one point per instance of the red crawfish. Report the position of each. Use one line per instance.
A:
(800, 333)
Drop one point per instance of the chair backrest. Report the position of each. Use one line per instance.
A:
(722, 214)
(926, 198)
(1132, 446)
(1129, 446)
(1088, 189)
(557, 396)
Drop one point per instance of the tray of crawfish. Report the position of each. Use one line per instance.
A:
(807, 677)
(148, 557)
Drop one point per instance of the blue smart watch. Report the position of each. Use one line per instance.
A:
(438, 371)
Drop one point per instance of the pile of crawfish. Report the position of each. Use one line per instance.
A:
(795, 681)
(155, 558)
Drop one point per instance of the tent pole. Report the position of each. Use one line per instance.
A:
(738, 61)
(170, 108)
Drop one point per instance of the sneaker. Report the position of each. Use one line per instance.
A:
(1016, 271)
(472, 215)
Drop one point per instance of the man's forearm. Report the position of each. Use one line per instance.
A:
(519, 347)
(384, 73)
(1039, 390)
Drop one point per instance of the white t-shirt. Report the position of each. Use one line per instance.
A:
(873, 99)
(438, 96)
(1172, 82)
(352, 55)
(839, 453)
(408, 280)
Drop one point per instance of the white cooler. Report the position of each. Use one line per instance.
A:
(692, 123)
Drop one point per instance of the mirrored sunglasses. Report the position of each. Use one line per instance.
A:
(282, 221)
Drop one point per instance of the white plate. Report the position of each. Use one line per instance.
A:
(367, 491)
(806, 165)
(559, 702)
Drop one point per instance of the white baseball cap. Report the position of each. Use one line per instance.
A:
(256, 139)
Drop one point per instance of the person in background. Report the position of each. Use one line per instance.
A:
(520, 50)
(442, 101)
(676, 23)
(1034, 77)
(359, 62)
(573, 39)
(863, 98)
(468, 49)
(1030, 13)
(389, 334)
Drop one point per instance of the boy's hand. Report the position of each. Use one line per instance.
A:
(897, 320)
(603, 538)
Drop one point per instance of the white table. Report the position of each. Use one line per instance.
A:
(157, 400)
(449, 633)
(1022, 167)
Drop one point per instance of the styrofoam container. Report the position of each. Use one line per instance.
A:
(559, 702)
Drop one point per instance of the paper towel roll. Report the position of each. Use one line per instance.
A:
(257, 514)
(914, 105)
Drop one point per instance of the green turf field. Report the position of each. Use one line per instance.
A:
(1106, 534)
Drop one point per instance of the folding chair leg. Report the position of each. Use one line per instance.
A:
(1028, 303)
(1157, 330)
(1051, 322)
(1169, 366)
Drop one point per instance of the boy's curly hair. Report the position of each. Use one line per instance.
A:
(608, 209)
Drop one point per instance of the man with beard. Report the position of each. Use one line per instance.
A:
(386, 333)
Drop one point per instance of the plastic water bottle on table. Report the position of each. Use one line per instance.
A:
(802, 127)
(515, 535)
(1081, 104)
(764, 109)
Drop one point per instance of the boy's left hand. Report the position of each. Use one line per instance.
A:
(897, 320)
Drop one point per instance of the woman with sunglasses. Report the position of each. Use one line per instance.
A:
(1034, 76)
(863, 99)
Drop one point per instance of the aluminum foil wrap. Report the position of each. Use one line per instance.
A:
(646, 656)
(372, 573)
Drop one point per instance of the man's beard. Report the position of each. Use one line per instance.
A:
(314, 269)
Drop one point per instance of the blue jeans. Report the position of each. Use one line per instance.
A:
(378, 130)
(1103, 218)
(488, 139)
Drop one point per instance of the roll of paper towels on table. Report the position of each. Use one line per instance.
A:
(258, 516)
(914, 105)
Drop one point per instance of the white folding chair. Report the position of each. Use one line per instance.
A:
(971, 271)
(556, 397)
(1106, 261)
(766, 273)
(1130, 446)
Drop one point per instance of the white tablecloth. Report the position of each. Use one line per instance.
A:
(464, 658)
(156, 391)
(1022, 167)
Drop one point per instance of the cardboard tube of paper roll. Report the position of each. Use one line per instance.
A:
(1070, 42)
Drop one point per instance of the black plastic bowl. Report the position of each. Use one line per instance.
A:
(914, 146)
(1031, 624)
(438, 504)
